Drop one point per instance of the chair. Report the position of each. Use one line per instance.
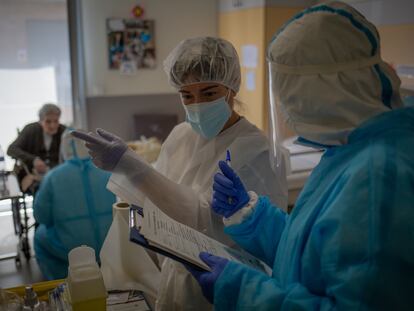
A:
(31, 181)
(20, 223)
(28, 186)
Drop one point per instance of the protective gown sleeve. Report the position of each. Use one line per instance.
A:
(43, 203)
(260, 232)
(176, 200)
(359, 247)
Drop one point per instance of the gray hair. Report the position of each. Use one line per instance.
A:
(48, 109)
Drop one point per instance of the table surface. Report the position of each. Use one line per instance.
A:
(302, 160)
(12, 186)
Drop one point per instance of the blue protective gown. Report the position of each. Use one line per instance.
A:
(349, 242)
(73, 208)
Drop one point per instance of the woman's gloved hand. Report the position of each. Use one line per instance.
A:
(229, 193)
(207, 279)
(106, 149)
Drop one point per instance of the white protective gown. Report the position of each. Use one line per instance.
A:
(189, 159)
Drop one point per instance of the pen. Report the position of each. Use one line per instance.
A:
(228, 162)
(228, 158)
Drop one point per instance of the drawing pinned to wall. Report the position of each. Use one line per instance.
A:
(131, 40)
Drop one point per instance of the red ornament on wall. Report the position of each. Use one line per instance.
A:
(138, 11)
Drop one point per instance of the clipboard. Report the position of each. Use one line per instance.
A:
(136, 216)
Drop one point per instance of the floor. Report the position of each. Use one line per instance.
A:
(10, 274)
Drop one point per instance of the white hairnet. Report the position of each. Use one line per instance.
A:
(71, 147)
(327, 75)
(204, 59)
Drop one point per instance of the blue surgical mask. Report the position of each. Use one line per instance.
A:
(208, 118)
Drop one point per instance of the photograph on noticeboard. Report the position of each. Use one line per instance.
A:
(131, 41)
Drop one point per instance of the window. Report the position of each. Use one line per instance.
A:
(34, 64)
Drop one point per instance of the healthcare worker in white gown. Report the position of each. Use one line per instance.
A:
(206, 73)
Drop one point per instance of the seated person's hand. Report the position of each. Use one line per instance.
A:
(40, 166)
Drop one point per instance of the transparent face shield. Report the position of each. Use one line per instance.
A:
(279, 132)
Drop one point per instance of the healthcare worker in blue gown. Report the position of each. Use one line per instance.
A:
(73, 208)
(349, 242)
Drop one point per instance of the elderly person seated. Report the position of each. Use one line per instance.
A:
(73, 208)
(37, 146)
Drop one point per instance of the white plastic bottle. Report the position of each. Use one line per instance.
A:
(85, 283)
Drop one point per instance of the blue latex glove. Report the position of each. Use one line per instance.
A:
(208, 279)
(229, 193)
(105, 148)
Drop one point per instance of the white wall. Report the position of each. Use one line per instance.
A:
(175, 20)
(387, 12)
